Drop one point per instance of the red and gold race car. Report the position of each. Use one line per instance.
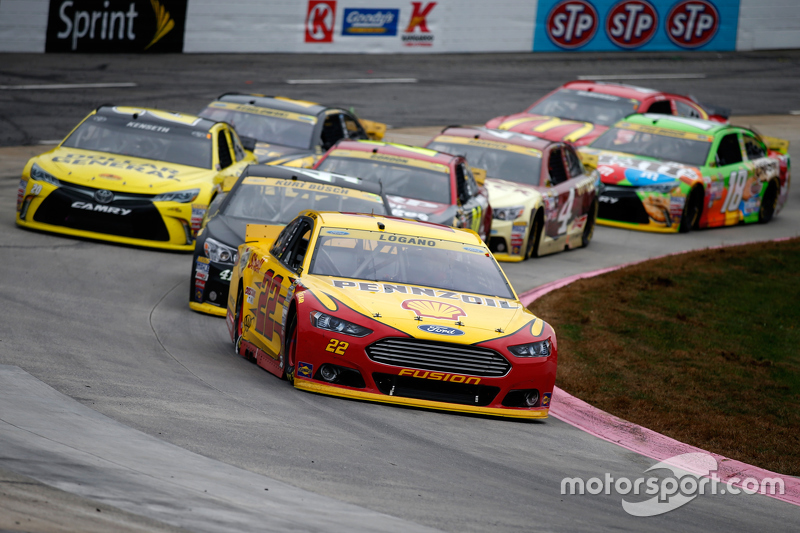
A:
(421, 183)
(389, 310)
(543, 199)
(581, 111)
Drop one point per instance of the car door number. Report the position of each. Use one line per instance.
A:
(736, 185)
(336, 346)
(565, 213)
(267, 302)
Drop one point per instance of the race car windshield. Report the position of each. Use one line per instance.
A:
(271, 130)
(276, 204)
(501, 164)
(669, 148)
(597, 108)
(137, 138)
(405, 259)
(397, 179)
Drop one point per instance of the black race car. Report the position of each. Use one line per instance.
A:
(285, 131)
(270, 195)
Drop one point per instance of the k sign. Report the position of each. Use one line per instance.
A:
(116, 26)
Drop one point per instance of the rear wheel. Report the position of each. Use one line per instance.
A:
(691, 211)
(532, 246)
(588, 229)
(768, 203)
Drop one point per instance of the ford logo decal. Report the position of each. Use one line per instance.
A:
(440, 330)
(103, 196)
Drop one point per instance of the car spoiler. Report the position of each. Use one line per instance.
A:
(375, 130)
(263, 233)
(776, 145)
(711, 109)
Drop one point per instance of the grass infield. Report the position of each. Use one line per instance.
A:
(703, 347)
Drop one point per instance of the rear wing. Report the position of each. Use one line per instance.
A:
(776, 145)
(264, 233)
(375, 130)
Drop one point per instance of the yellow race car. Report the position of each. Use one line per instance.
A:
(130, 175)
(389, 310)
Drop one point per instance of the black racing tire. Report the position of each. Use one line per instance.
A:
(692, 210)
(532, 245)
(238, 324)
(588, 229)
(290, 350)
(769, 202)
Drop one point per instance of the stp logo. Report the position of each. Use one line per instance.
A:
(319, 21)
(631, 23)
(692, 23)
(571, 23)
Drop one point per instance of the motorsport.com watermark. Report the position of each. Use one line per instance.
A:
(672, 492)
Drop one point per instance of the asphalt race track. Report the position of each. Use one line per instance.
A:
(130, 399)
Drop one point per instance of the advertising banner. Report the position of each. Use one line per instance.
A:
(643, 25)
(109, 26)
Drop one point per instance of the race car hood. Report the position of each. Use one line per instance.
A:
(385, 302)
(227, 230)
(114, 172)
(277, 154)
(508, 193)
(626, 170)
(422, 210)
(550, 128)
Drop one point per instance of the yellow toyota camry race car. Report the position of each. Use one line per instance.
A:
(389, 310)
(130, 175)
(543, 200)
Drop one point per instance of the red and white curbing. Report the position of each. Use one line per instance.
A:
(636, 438)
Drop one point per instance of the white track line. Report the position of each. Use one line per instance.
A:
(352, 80)
(643, 77)
(66, 86)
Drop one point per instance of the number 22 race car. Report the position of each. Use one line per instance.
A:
(390, 310)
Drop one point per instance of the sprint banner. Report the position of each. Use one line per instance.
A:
(125, 26)
(645, 25)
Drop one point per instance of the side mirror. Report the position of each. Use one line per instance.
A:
(249, 143)
(479, 174)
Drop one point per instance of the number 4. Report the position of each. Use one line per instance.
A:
(735, 190)
(566, 212)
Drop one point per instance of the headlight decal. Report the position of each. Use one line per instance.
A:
(532, 349)
(38, 174)
(507, 213)
(331, 323)
(219, 252)
(182, 197)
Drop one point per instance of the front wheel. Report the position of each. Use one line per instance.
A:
(691, 211)
(290, 351)
(532, 246)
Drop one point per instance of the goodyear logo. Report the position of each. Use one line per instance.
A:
(305, 370)
(370, 22)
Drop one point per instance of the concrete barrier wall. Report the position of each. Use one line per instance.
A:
(396, 26)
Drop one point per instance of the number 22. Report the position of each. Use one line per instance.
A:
(337, 346)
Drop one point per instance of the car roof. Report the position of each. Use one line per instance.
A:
(274, 102)
(158, 117)
(397, 150)
(501, 136)
(616, 89)
(317, 176)
(392, 224)
(691, 125)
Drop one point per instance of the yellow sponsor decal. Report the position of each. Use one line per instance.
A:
(493, 145)
(655, 130)
(549, 124)
(440, 376)
(391, 159)
(536, 327)
(264, 112)
(320, 188)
